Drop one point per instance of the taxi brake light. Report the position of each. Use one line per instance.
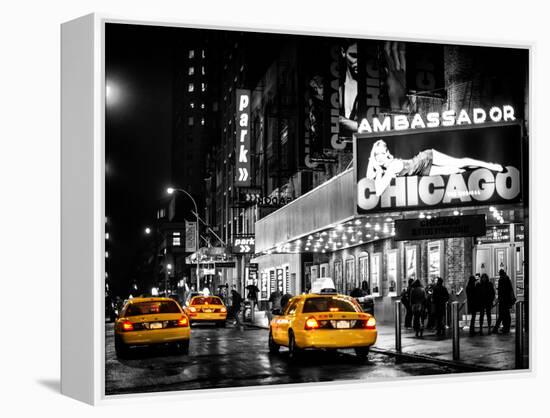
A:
(370, 323)
(127, 326)
(183, 321)
(311, 323)
(192, 309)
(223, 310)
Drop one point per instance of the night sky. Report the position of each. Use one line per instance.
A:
(139, 76)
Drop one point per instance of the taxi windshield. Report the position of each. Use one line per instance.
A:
(148, 308)
(207, 300)
(329, 304)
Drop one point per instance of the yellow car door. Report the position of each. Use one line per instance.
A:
(286, 321)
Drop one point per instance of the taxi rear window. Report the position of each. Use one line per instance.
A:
(147, 308)
(328, 304)
(206, 301)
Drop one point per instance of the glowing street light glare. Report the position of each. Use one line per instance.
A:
(147, 230)
(170, 190)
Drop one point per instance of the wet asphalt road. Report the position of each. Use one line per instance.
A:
(229, 357)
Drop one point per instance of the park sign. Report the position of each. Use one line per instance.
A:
(243, 244)
(448, 167)
(242, 161)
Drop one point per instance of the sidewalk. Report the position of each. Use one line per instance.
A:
(485, 352)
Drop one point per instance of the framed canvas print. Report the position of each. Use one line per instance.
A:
(246, 209)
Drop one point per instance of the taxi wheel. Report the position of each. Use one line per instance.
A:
(362, 352)
(121, 349)
(273, 346)
(294, 352)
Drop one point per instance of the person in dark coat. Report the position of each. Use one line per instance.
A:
(417, 300)
(253, 294)
(236, 302)
(406, 302)
(284, 300)
(506, 300)
(440, 297)
(486, 297)
(429, 305)
(472, 300)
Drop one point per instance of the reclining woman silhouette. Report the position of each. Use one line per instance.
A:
(383, 166)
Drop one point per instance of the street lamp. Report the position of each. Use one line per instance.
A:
(147, 230)
(172, 190)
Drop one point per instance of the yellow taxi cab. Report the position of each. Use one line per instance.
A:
(148, 321)
(324, 320)
(203, 309)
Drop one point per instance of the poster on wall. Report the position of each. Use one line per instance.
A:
(434, 260)
(375, 275)
(280, 281)
(264, 286)
(392, 272)
(272, 282)
(350, 275)
(417, 167)
(410, 264)
(364, 272)
(338, 276)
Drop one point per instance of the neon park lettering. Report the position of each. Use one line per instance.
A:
(435, 119)
(479, 185)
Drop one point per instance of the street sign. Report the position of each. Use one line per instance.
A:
(243, 244)
(243, 165)
(439, 227)
(190, 237)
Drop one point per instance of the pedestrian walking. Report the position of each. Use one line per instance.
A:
(418, 306)
(440, 297)
(284, 300)
(406, 302)
(486, 292)
(472, 299)
(236, 302)
(252, 294)
(506, 300)
(274, 302)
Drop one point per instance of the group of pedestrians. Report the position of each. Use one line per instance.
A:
(430, 303)
(421, 303)
(480, 296)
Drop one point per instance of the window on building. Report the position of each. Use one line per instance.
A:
(191, 53)
(191, 70)
(202, 122)
(202, 106)
(203, 52)
(190, 121)
(203, 86)
(191, 87)
(203, 70)
(189, 139)
(192, 105)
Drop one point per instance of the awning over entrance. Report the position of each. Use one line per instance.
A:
(330, 203)
(325, 220)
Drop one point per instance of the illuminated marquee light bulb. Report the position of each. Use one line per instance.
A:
(388, 219)
(359, 232)
(358, 222)
(368, 225)
(339, 227)
(377, 227)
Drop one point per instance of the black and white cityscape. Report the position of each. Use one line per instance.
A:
(296, 209)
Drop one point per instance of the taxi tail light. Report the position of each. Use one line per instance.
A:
(183, 322)
(223, 310)
(127, 326)
(311, 323)
(370, 323)
(192, 309)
